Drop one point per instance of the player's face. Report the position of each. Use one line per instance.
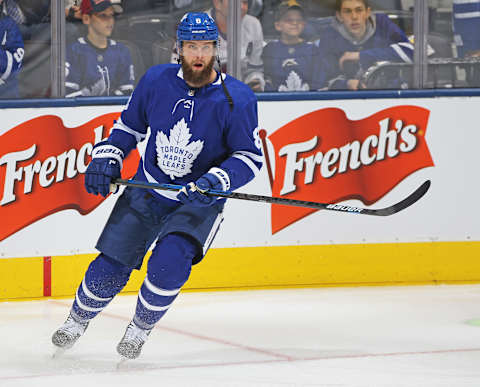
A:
(102, 22)
(197, 62)
(291, 24)
(354, 15)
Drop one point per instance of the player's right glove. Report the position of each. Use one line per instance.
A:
(105, 167)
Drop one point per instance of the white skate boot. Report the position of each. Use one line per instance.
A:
(65, 336)
(131, 344)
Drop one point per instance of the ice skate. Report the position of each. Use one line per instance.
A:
(66, 336)
(131, 344)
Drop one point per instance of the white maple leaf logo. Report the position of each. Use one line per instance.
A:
(175, 155)
(294, 83)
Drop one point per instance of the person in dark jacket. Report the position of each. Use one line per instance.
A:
(356, 40)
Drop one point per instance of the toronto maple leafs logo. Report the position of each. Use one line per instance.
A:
(294, 83)
(175, 155)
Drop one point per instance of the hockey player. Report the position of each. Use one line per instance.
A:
(466, 26)
(11, 55)
(356, 40)
(203, 135)
(251, 43)
(95, 64)
(290, 63)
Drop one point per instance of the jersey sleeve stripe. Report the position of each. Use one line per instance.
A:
(119, 125)
(71, 85)
(248, 162)
(8, 70)
(75, 94)
(401, 53)
(253, 156)
(467, 15)
(126, 87)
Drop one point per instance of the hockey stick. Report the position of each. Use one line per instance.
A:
(407, 202)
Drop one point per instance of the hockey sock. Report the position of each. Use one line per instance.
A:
(104, 278)
(168, 269)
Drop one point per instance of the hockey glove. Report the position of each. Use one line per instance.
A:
(191, 194)
(105, 166)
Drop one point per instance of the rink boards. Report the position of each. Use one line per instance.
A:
(365, 153)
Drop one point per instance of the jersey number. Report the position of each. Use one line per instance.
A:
(18, 55)
(256, 137)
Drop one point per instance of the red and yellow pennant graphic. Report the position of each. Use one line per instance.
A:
(42, 163)
(325, 157)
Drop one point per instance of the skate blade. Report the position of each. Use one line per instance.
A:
(58, 353)
(122, 362)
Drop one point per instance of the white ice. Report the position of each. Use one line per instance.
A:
(356, 337)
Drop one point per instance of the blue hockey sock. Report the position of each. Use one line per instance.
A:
(168, 269)
(104, 278)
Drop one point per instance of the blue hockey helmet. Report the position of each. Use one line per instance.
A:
(197, 26)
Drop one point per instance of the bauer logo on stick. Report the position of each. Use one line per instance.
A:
(343, 159)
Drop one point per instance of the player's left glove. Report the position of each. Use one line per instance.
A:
(105, 167)
(191, 194)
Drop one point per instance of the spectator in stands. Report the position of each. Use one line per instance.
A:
(11, 55)
(290, 63)
(72, 11)
(356, 40)
(95, 64)
(251, 43)
(466, 27)
(32, 17)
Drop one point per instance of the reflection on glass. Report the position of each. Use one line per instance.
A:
(97, 65)
(11, 53)
(25, 34)
(335, 45)
(364, 45)
(290, 62)
(251, 42)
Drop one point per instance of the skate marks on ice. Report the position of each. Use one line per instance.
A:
(311, 337)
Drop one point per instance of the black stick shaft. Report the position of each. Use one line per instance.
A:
(408, 201)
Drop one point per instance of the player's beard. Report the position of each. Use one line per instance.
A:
(195, 78)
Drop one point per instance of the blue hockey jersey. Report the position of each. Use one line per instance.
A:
(191, 130)
(383, 41)
(11, 57)
(292, 67)
(466, 26)
(92, 71)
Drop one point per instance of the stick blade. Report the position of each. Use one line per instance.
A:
(405, 203)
